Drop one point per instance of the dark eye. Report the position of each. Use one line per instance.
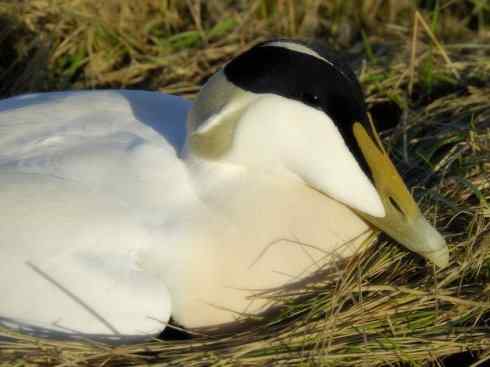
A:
(310, 99)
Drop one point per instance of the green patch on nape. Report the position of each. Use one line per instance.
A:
(215, 138)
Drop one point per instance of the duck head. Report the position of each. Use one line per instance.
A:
(295, 109)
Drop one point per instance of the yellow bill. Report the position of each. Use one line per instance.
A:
(403, 220)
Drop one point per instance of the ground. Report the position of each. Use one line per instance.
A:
(425, 69)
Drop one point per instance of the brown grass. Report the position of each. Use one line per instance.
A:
(427, 88)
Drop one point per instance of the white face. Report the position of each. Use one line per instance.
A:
(279, 134)
(299, 111)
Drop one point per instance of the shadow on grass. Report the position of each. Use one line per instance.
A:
(24, 64)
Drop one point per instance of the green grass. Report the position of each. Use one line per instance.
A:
(430, 92)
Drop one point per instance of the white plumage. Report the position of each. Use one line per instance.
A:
(121, 209)
(101, 219)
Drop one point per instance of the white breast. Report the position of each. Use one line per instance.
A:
(107, 234)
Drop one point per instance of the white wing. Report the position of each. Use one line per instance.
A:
(79, 173)
(120, 142)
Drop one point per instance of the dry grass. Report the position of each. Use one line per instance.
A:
(386, 306)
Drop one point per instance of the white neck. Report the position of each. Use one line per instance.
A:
(233, 131)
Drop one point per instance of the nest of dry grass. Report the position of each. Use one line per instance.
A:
(427, 84)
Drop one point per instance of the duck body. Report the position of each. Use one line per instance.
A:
(121, 209)
(108, 242)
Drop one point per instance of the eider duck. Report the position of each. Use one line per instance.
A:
(124, 208)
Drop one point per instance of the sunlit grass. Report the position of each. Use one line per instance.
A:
(385, 306)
